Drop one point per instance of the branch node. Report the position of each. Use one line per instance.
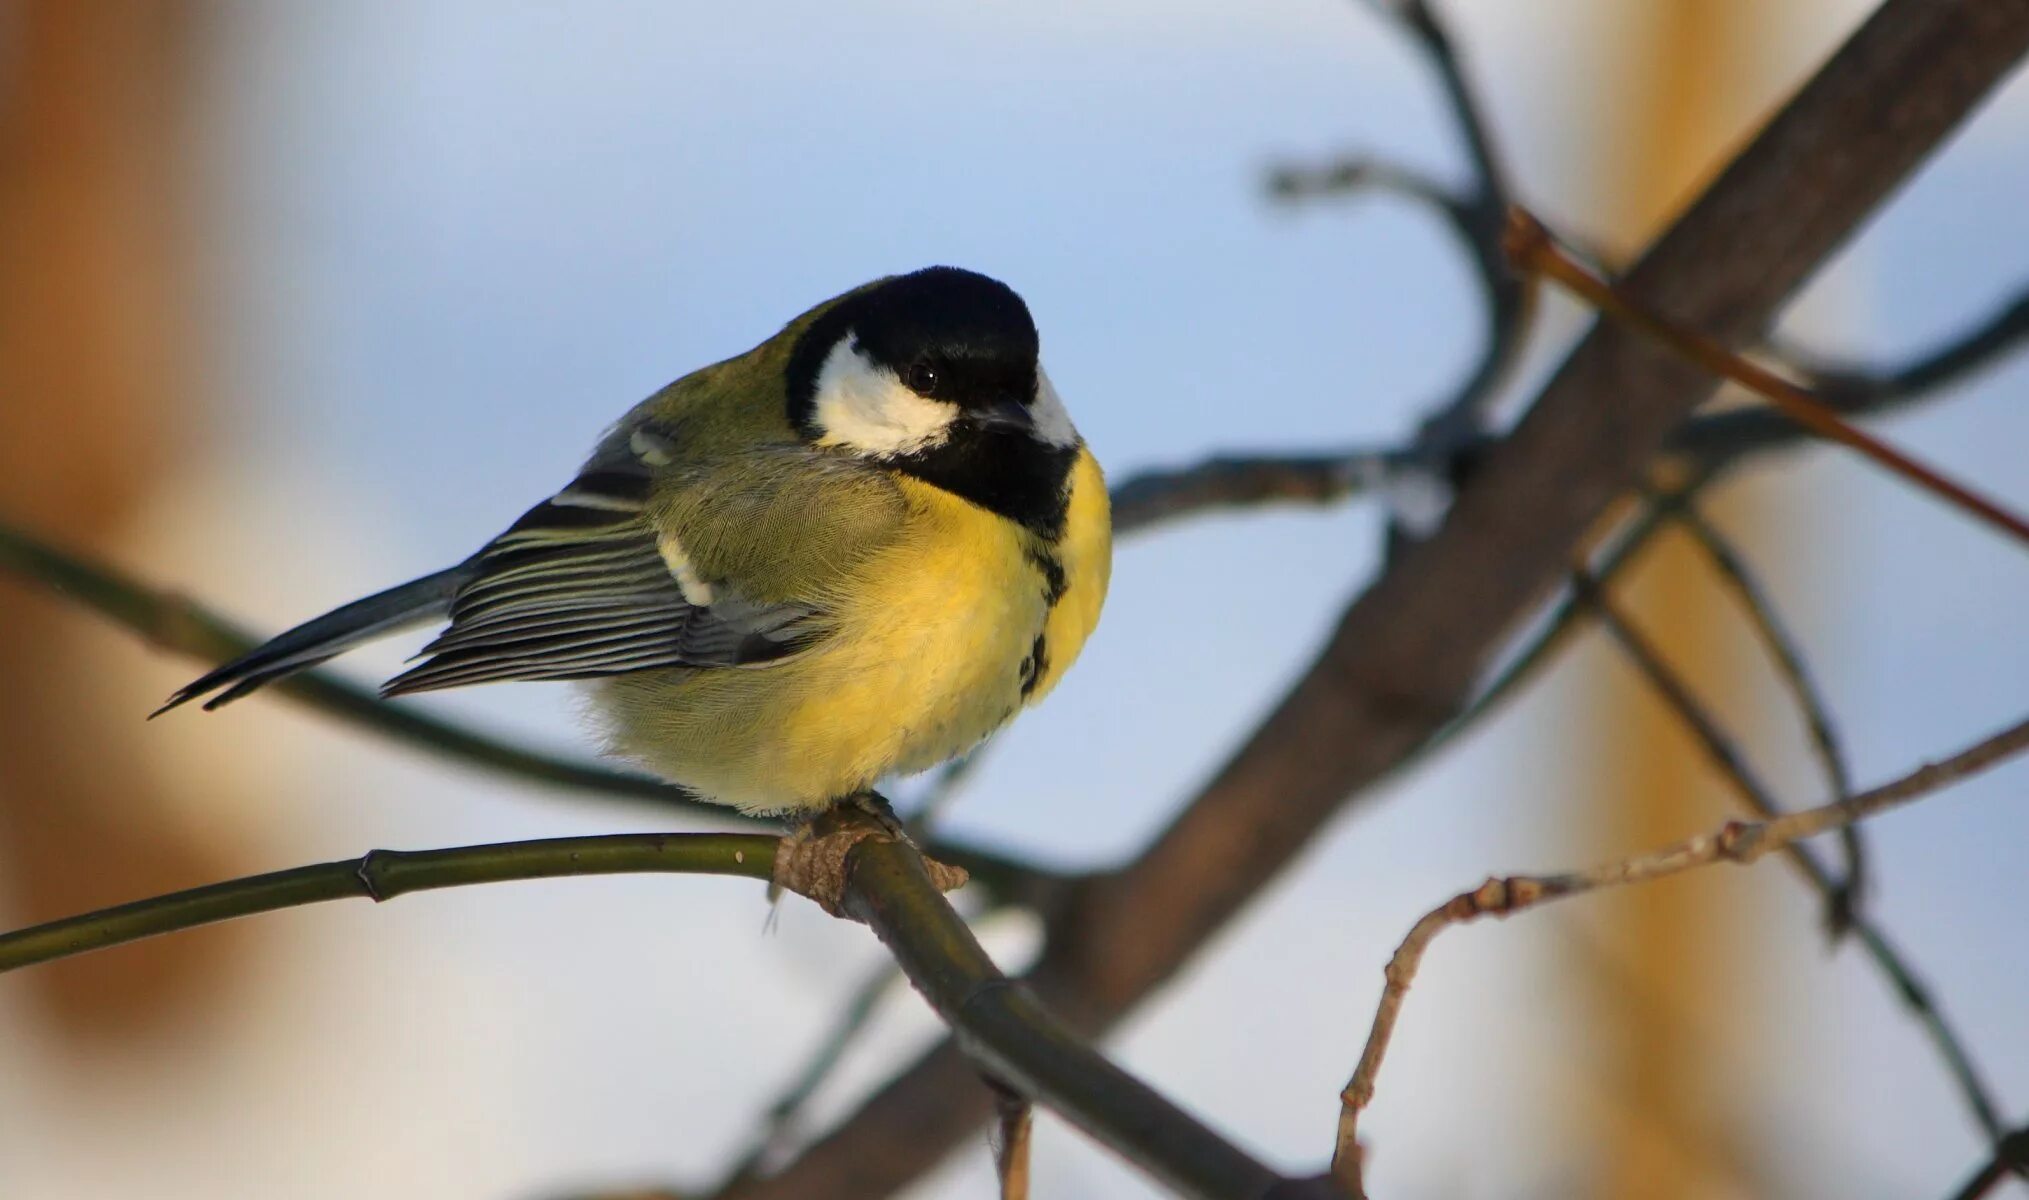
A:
(1742, 841)
(365, 872)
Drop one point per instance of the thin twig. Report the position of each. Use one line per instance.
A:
(1740, 842)
(1761, 799)
(1785, 652)
(1533, 249)
(1014, 1121)
(1856, 391)
(1232, 481)
(785, 1114)
(1475, 215)
(2010, 1155)
(1565, 616)
(383, 875)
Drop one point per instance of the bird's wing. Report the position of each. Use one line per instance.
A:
(583, 586)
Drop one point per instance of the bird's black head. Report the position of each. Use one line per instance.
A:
(936, 374)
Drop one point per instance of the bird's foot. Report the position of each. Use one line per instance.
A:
(876, 806)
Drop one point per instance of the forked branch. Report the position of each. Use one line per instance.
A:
(1740, 842)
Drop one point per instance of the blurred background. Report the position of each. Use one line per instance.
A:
(299, 301)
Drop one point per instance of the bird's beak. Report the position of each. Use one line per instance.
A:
(1004, 414)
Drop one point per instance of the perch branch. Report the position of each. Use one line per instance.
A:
(385, 874)
(1740, 842)
(882, 883)
(1008, 1033)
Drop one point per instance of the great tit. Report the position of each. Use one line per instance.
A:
(855, 550)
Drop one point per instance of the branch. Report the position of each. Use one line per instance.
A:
(1740, 842)
(1761, 799)
(1796, 677)
(1155, 497)
(1011, 1143)
(1532, 248)
(850, 866)
(1404, 658)
(2011, 1155)
(1858, 391)
(782, 1118)
(1007, 1032)
(383, 875)
(1475, 215)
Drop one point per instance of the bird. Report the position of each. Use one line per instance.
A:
(852, 552)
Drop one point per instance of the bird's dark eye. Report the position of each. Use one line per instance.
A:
(922, 378)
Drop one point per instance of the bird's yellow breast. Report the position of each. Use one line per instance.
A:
(936, 639)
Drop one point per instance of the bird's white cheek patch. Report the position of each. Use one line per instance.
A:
(1053, 423)
(862, 407)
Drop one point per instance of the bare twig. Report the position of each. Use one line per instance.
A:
(1154, 497)
(1474, 214)
(1860, 391)
(2011, 1154)
(1015, 1121)
(784, 1116)
(1533, 249)
(1796, 676)
(1740, 842)
(1889, 960)
(1710, 442)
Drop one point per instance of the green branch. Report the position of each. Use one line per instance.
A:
(1018, 1043)
(385, 874)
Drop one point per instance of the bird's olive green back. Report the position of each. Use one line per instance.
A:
(748, 500)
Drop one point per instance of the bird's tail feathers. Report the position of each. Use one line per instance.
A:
(416, 602)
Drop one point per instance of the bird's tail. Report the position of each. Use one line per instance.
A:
(416, 602)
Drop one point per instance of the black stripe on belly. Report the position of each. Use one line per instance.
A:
(1044, 560)
(1034, 665)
